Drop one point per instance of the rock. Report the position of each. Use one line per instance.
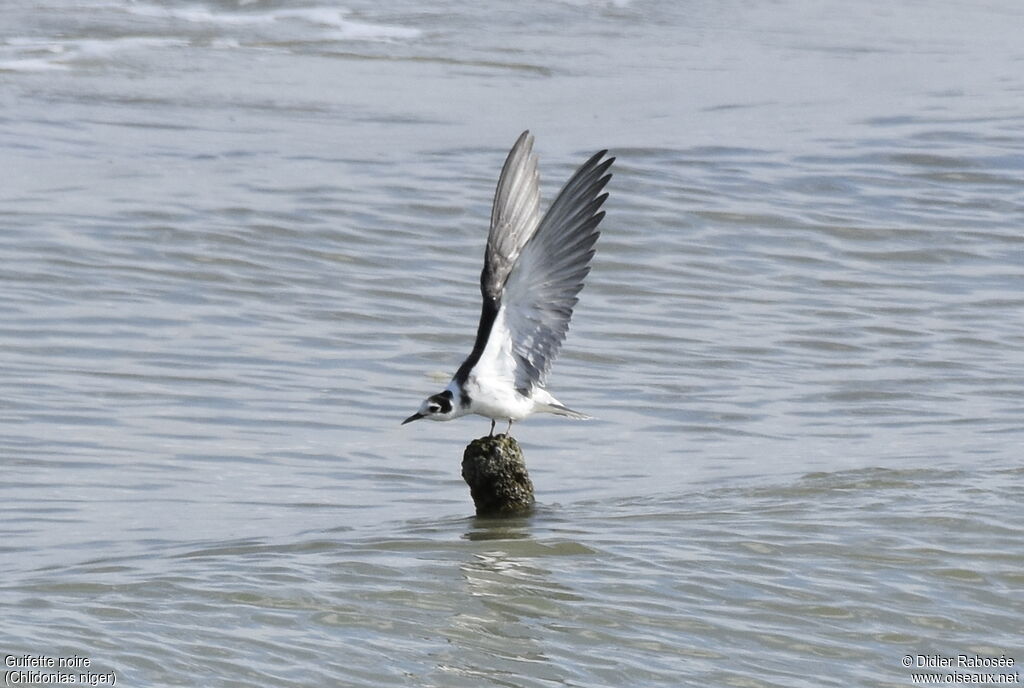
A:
(494, 469)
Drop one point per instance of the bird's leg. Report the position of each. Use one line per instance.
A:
(509, 431)
(491, 433)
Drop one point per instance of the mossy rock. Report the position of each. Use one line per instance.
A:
(494, 469)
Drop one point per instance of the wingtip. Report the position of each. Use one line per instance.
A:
(521, 149)
(598, 163)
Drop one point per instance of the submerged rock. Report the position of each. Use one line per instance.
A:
(495, 471)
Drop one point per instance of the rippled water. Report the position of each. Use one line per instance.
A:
(240, 242)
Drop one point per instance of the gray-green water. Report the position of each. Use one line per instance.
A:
(240, 242)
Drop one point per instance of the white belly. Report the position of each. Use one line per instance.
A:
(496, 399)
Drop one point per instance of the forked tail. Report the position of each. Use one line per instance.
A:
(560, 410)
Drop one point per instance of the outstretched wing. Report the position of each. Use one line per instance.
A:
(541, 289)
(514, 217)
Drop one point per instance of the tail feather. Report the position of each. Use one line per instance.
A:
(565, 411)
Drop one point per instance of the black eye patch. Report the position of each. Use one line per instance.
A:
(443, 400)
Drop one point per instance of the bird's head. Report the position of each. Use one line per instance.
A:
(437, 407)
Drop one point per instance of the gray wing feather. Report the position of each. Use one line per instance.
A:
(541, 289)
(514, 217)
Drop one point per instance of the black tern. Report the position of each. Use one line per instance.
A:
(534, 267)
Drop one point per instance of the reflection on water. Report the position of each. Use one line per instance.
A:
(836, 573)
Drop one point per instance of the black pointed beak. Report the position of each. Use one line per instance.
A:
(415, 416)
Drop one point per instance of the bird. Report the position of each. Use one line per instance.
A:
(534, 268)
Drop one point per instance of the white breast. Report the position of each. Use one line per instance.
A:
(497, 401)
(491, 382)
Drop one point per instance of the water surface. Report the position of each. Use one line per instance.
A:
(240, 242)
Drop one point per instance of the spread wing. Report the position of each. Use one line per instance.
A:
(514, 217)
(546, 276)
